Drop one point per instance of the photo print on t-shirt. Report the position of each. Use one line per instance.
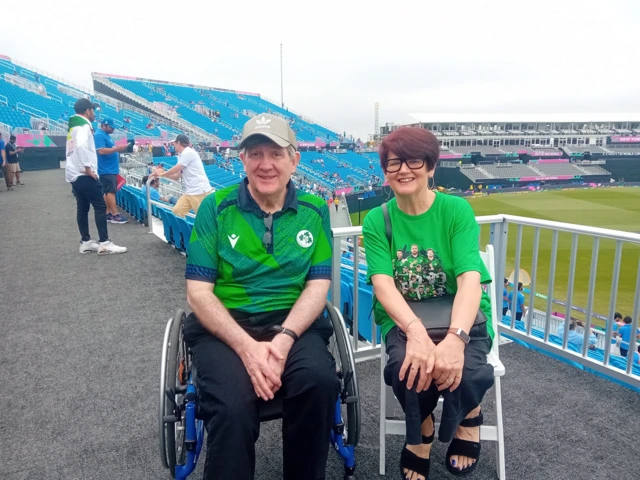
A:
(418, 273)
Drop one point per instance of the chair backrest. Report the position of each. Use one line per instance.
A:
(488, 258)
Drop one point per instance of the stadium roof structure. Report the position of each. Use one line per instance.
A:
(524, 117)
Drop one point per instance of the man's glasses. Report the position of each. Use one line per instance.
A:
(394, 165)
(267, 238)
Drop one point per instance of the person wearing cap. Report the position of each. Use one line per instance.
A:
(109, 167)
(82, 173)
(190, 168)
(258, 273)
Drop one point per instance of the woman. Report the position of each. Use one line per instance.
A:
(444, 228)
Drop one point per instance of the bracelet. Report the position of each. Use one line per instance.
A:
(406, 329)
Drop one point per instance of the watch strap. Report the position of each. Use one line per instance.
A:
(286, 331)
(460, 333)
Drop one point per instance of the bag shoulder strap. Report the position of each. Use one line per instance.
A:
(387, 222)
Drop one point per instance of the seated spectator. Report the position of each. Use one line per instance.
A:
(624, 332)
(418, 369)
(257, 299)
(576, 338)
(154, 193)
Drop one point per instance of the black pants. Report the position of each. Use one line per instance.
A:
(518, 315)
(229, 405)
(624, 352)
(504, 310)
(88, 191)
(477, 378)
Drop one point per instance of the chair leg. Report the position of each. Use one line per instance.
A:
(383, 409)
(500, 456)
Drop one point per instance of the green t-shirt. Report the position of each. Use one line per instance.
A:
(227, 248)
(438, 245)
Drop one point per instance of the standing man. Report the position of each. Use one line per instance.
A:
(196, 183)
(5, 165)
(109, 168)
(13, 160)
(81, 173)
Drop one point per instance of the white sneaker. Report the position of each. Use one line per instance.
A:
(89, 246)
(108, 247)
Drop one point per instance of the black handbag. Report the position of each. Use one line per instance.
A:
(434, 312)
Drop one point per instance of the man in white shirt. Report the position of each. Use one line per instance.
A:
(196, 183)
(81, 173)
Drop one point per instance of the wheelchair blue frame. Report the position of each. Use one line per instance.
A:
(194, 432)
(194, 436)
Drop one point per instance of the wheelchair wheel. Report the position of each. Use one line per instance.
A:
(346, 369)
(174, 372)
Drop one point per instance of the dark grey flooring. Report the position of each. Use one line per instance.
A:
(80, 355)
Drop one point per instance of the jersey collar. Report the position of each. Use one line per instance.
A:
(248, 204)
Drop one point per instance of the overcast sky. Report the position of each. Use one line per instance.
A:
(340, 57)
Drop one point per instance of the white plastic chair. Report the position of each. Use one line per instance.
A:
(389, 403)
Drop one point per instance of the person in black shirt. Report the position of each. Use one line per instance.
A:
(13, 159)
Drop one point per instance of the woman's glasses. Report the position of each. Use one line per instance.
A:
(393, 165)
(267, 238)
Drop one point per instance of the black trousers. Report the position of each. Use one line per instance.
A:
(88, 191)
(477, 378)
(229, 405)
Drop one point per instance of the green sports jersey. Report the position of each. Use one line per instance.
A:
(447, 239)
(227, 248)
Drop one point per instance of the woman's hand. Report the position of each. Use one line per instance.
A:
(447, 371)
(419, 359)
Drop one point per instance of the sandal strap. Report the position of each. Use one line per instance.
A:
(472, 422)
(429, 439)
(411, 461)
(426, 439)
(463, 448)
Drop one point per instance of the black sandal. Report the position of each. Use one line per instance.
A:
(411, 461)
(465, 448)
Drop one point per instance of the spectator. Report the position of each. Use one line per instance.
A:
(419, 370)
(520, 308)
(258, 273)
(617, 321)
(5, 165)
(575, 339)
(190, 168)
(154, 193)
(109, 168)
(12, 154)
(82, 173)
(625, 334)
(336, 202)
(505, 298)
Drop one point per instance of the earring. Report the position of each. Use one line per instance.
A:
(433, 183)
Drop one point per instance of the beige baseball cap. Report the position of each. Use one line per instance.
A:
(275, 128)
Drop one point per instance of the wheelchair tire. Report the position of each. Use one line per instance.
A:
(346, 367)
(173, 383)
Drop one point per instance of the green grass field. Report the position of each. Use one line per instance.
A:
(614, 208)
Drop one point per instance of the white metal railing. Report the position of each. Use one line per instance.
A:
(543, 321)
(3, 100)
(28, 109)
(54, 97)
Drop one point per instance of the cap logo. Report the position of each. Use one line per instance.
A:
(263, 123)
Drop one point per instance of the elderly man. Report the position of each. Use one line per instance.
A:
(258, 273)
(109, 168)
(190, 168)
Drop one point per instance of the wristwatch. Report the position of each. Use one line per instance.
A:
(460, 333)
(286, 331)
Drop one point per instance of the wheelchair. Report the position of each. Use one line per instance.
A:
(182, 433)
